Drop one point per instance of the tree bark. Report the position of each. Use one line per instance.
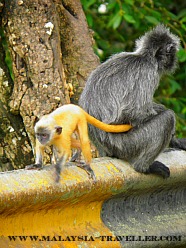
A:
(76, 44)
(51, 51)
(15, 147)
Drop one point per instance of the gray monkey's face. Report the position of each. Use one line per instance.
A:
(166, 56)
(170, 56)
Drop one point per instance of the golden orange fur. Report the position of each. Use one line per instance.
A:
(69, 118)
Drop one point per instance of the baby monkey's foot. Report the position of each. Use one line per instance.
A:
(89, 171)
(33, 167)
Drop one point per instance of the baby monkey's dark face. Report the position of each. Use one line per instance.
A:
(43, 136)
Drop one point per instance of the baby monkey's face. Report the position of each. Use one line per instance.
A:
(43, 136)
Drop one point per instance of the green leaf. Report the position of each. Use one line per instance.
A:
(87, 3)
(152, 19)
(182, 55)
(183, 99)
(155, 14)
(115, 21)
(111, 6)
(182, 13)
(174, 86)
(129, 18)
(184, 111)
(183, 19)
(183, 26)
(130, 2)
(89, 20)
(171, 15)
(103, 44)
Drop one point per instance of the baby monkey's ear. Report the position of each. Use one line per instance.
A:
(58, 130)
(36, 120)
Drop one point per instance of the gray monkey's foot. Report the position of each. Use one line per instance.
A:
(160, 169)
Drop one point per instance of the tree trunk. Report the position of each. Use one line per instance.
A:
(14, 143)
(50, 47)
(76, 44)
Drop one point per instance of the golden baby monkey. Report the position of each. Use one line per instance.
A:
(56, 129)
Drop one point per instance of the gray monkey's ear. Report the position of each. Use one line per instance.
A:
(58, 130)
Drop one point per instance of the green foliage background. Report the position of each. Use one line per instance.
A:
(117, 24)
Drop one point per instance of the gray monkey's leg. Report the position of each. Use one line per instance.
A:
(178, 143)
(141, 145)
(156, 135)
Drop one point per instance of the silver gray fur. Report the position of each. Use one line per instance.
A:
(121, 90)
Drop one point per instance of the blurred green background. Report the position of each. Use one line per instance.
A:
(116, 26)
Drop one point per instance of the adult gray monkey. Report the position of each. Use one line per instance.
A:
(121, 90)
